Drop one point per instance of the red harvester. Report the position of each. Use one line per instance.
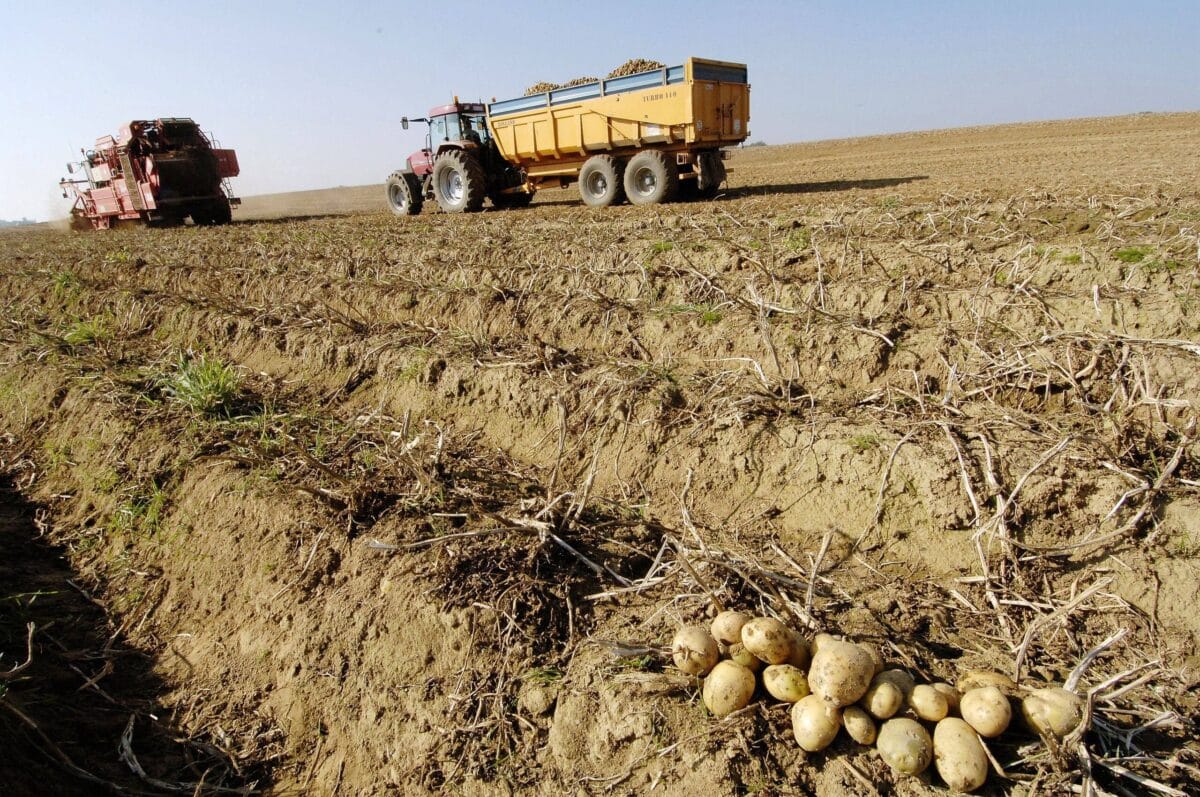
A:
(158, 172)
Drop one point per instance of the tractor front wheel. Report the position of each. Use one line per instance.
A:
(458, 182)
(404, 194)
(600, 181)
(651, 178)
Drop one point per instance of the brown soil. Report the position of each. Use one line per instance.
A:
(962, 363)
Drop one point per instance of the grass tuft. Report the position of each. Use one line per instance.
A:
(203, 384)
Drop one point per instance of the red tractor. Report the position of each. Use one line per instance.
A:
(158, 172)
(459, 167)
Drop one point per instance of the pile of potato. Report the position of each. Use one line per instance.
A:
(634, 66)
(630, 67)
(834, 684)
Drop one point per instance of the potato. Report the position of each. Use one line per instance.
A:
(727, 626)
(858, 724)
(928, 703)
(986, 710)
(840, 672)
(739, 654)
(815, 723)
(883, 699)
(903, 681)
(905, 745)
(876, 656)
(768, 639)
(951, 694)
(818, 640)
(694, 650)
(1052, 711)
(785, 682)
(976, 679)
(800, 655)
(727, 688)
(961, 759)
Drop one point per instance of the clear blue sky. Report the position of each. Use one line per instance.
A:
(311, 94)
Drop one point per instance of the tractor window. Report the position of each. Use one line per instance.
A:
(479, 125)
(443, 128)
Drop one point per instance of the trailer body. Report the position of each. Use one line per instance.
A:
(699, 106)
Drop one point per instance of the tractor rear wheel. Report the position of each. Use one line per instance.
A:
(458, 182)
(600, 183)
(651, 178)
(404, 194)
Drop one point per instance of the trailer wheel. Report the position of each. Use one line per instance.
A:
(651, 178)
(404, 194)
(600, 181)
(458, 182)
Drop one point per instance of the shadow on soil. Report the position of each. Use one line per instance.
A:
(64, 716)
(821, 188)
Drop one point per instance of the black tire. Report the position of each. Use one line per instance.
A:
(404, 194)
(201, 216)
(512, 201)
(221, 211)
(458, 182)
(651, 178)
(601, 181)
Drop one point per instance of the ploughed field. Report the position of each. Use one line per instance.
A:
(417, 504)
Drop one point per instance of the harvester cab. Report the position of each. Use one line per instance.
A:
(459, 166)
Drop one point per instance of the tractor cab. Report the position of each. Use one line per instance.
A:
(458, 125)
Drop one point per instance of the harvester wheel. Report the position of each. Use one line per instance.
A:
(221, 212)
(651, 178)
(600, 183)
(202, 215)
(458, 182)
(404, 194)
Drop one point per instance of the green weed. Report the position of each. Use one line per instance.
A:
(64, 285)
(83, 333)
(142, 513)
(203, 384)
(864, 442)
(543, 676)
(1132, 254)
(799, 240)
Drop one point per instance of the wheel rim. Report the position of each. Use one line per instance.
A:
(398, 197)
(597, 184)
(452, 186)
(645, 181)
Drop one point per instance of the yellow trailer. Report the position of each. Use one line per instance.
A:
(644, 136)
